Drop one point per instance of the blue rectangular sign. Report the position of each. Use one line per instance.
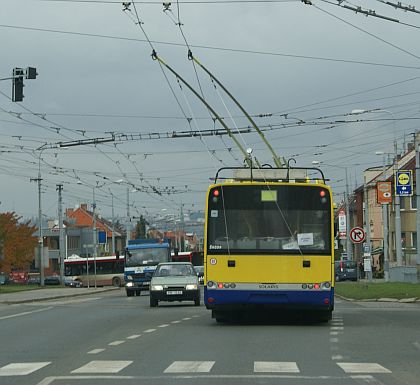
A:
(403, 183)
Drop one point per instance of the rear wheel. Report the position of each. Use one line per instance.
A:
(129, 293)
(138, 292)
(116, 281)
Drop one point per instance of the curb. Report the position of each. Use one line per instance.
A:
(402, 300)
(29, 300)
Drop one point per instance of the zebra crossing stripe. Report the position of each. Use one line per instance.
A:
(22, 368)
(190, 367)
(103, 367)
(362, 367)
(275, 367)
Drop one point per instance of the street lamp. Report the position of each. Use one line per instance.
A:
(397, 201)
(349, 249)
(385, 223)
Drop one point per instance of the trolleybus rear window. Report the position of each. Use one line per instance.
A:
(275, 219)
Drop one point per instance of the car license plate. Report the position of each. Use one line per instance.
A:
(174, 292)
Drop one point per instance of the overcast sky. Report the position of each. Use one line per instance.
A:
(299, 70)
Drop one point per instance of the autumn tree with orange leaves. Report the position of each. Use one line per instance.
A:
(17, 242)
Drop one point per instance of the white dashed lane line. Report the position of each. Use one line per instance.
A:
(116, 343)
(96, 351)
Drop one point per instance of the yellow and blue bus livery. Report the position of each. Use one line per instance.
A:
(269, 243)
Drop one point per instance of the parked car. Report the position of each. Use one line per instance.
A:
(345, 270)
(33, 279)
(52, 280)
(174, 281)
(200, 273)
(70, 282)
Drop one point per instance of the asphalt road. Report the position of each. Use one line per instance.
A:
(108, 338)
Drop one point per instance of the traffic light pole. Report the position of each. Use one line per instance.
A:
(17, 81)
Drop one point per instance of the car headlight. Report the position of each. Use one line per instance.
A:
(191, 287)
(157, 287)
(129, 284)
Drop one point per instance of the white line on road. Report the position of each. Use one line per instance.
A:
(116, 343)
(337, 357)
(362, 367)
(336, 328)
(50, 380)
(275, 367)
(22, 368)
(96, 351)
(175, 322)
(103, 367)
(190, 367)
(149, 331)
(186, 319)
(134, 336)
(163, 326)
(25, 313)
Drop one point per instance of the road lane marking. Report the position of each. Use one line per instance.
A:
(334, 333)
(25, 313)
(175, 322)
(116, 343)
(337, 357)
(103, 367)
(190, 367)
(140, 379)
(333, 339)
(149, 331)
(22, 368)
(186, 318)
(134, 336)
(275, 367)
(96, 351)
(362, 367)
(163, 326)
(336, 328)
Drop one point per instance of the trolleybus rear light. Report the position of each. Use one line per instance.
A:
(232, 285)
(226, 285)
(310, 286)
(304, 286)
(316, 286)
(220, 285)
(210, 284)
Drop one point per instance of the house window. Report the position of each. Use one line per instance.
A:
(403, 240)
(414, 239)
(414, 202)
(73, 242)
(404, 203)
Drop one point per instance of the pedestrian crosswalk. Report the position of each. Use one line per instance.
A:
(194, 367)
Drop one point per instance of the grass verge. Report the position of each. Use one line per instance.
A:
(372, 290)
(15, 288)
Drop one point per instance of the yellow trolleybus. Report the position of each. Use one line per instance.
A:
(269, 242)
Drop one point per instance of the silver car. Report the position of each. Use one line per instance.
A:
(174, 281)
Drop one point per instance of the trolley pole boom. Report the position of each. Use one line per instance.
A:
(277, 161)
(216, 115)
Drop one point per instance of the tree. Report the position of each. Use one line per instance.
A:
(17, 242)
(141, 227)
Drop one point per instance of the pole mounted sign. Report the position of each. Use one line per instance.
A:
(357, 235)
(403, 183)
(384, 192)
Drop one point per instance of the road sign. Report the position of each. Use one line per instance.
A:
(357, 235)
(403, 183)
(341, 221)
(384, 192)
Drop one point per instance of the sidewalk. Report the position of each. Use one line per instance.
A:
(49, 293)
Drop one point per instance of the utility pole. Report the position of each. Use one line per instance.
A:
(113, 224)
(40, 237)
(398, 248)
(127, 229)
(94, 233)
(367, 221)
(416, 144)
(61, 236)
(349, 246)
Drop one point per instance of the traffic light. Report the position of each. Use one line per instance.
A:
(17, 85)
(31, 73)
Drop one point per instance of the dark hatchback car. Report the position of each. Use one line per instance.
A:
(345, 271)
(52, 280)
